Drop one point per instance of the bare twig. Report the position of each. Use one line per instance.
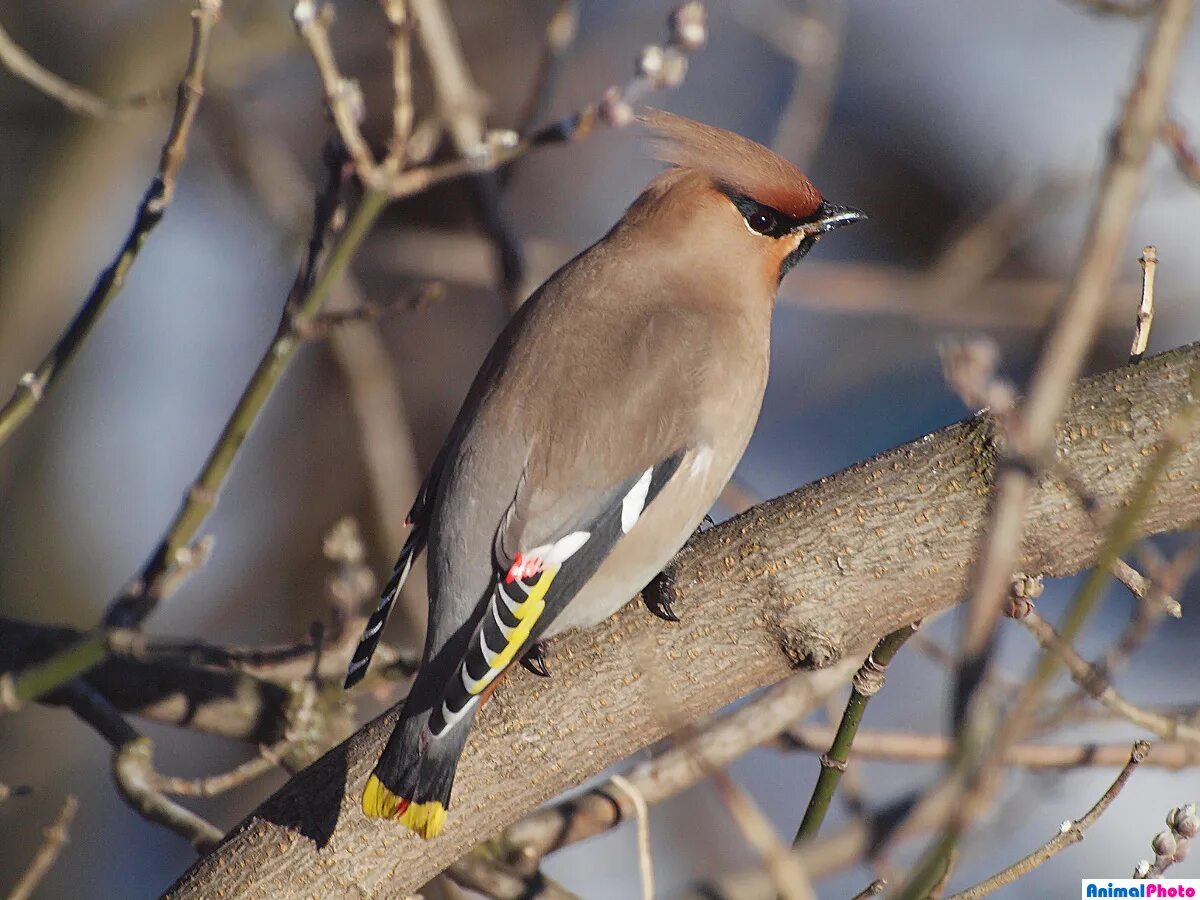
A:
(343, 97)
(1186, 158)
(1071, 832)
(399, 34)
(133, 767)
(72, 97)
(34, 385)
(874, 889)
(832, 288)
(133, 770)
(642, 814)
(1145, 313)
(326, 322)
(868, 681)
(1144, 591)
(1071, 336)
(905, 746)
(462, 106)
(715, 745)
(1062, 357)
(1091, 679)
(791, 881)
(57, 835)
(147, 589)
(215, 785)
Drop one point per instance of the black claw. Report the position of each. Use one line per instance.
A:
(658, 596)
(534, 660)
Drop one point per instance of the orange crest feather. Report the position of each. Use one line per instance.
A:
(733, 162)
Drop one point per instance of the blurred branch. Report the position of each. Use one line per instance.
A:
(1091, 679)
(868, 681)
(1177, 142)
(33, 386)
(658, 67)
(133, 770)
(493, 880)
(133, 767)
(1131, 9)
(147, 589)
(874, 889)
(791, 881)
(905, 746)
(267, 172)
(214, 785)
(862, 839)
(1071, 832)
(164, 690)
(72, 97)
(755, 596)
(1071, 335)
(1031, 439)
(57, 836)
(343, 97)
(835, 288)
(712, 745)
(812, 40)
(561, 31)
(400, 28)
(461, 106)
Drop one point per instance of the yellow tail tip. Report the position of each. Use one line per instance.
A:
(426, 819)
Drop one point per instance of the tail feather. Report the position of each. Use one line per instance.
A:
(414, 777)
(373, 631)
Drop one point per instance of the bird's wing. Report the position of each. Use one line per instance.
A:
(532, 585)
(593, 462)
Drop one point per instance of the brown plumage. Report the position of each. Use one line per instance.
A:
(733, 162)
(600, 429)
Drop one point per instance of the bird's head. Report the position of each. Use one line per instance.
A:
(735, 197)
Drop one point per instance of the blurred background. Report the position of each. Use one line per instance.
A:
(970, 131)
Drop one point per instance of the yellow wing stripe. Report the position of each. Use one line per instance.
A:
(528, 611)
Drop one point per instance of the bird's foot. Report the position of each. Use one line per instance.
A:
(534, 660)
(659, 594)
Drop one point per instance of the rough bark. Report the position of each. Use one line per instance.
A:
(797, 581)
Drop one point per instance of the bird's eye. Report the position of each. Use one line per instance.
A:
(761, 221)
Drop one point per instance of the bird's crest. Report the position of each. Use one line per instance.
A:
(735, 163)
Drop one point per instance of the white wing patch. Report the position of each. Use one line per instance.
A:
(561, 550)
(635, 501)
(701, 461)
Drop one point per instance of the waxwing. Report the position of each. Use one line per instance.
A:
(600, 429)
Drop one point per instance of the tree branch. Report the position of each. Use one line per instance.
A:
(1068, 833)
(34, 385)
(798, 581)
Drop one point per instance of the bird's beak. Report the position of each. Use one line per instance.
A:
(828, 217)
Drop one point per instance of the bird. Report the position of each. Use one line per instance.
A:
(600, 429)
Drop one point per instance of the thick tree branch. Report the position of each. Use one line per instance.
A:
(797, 581)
